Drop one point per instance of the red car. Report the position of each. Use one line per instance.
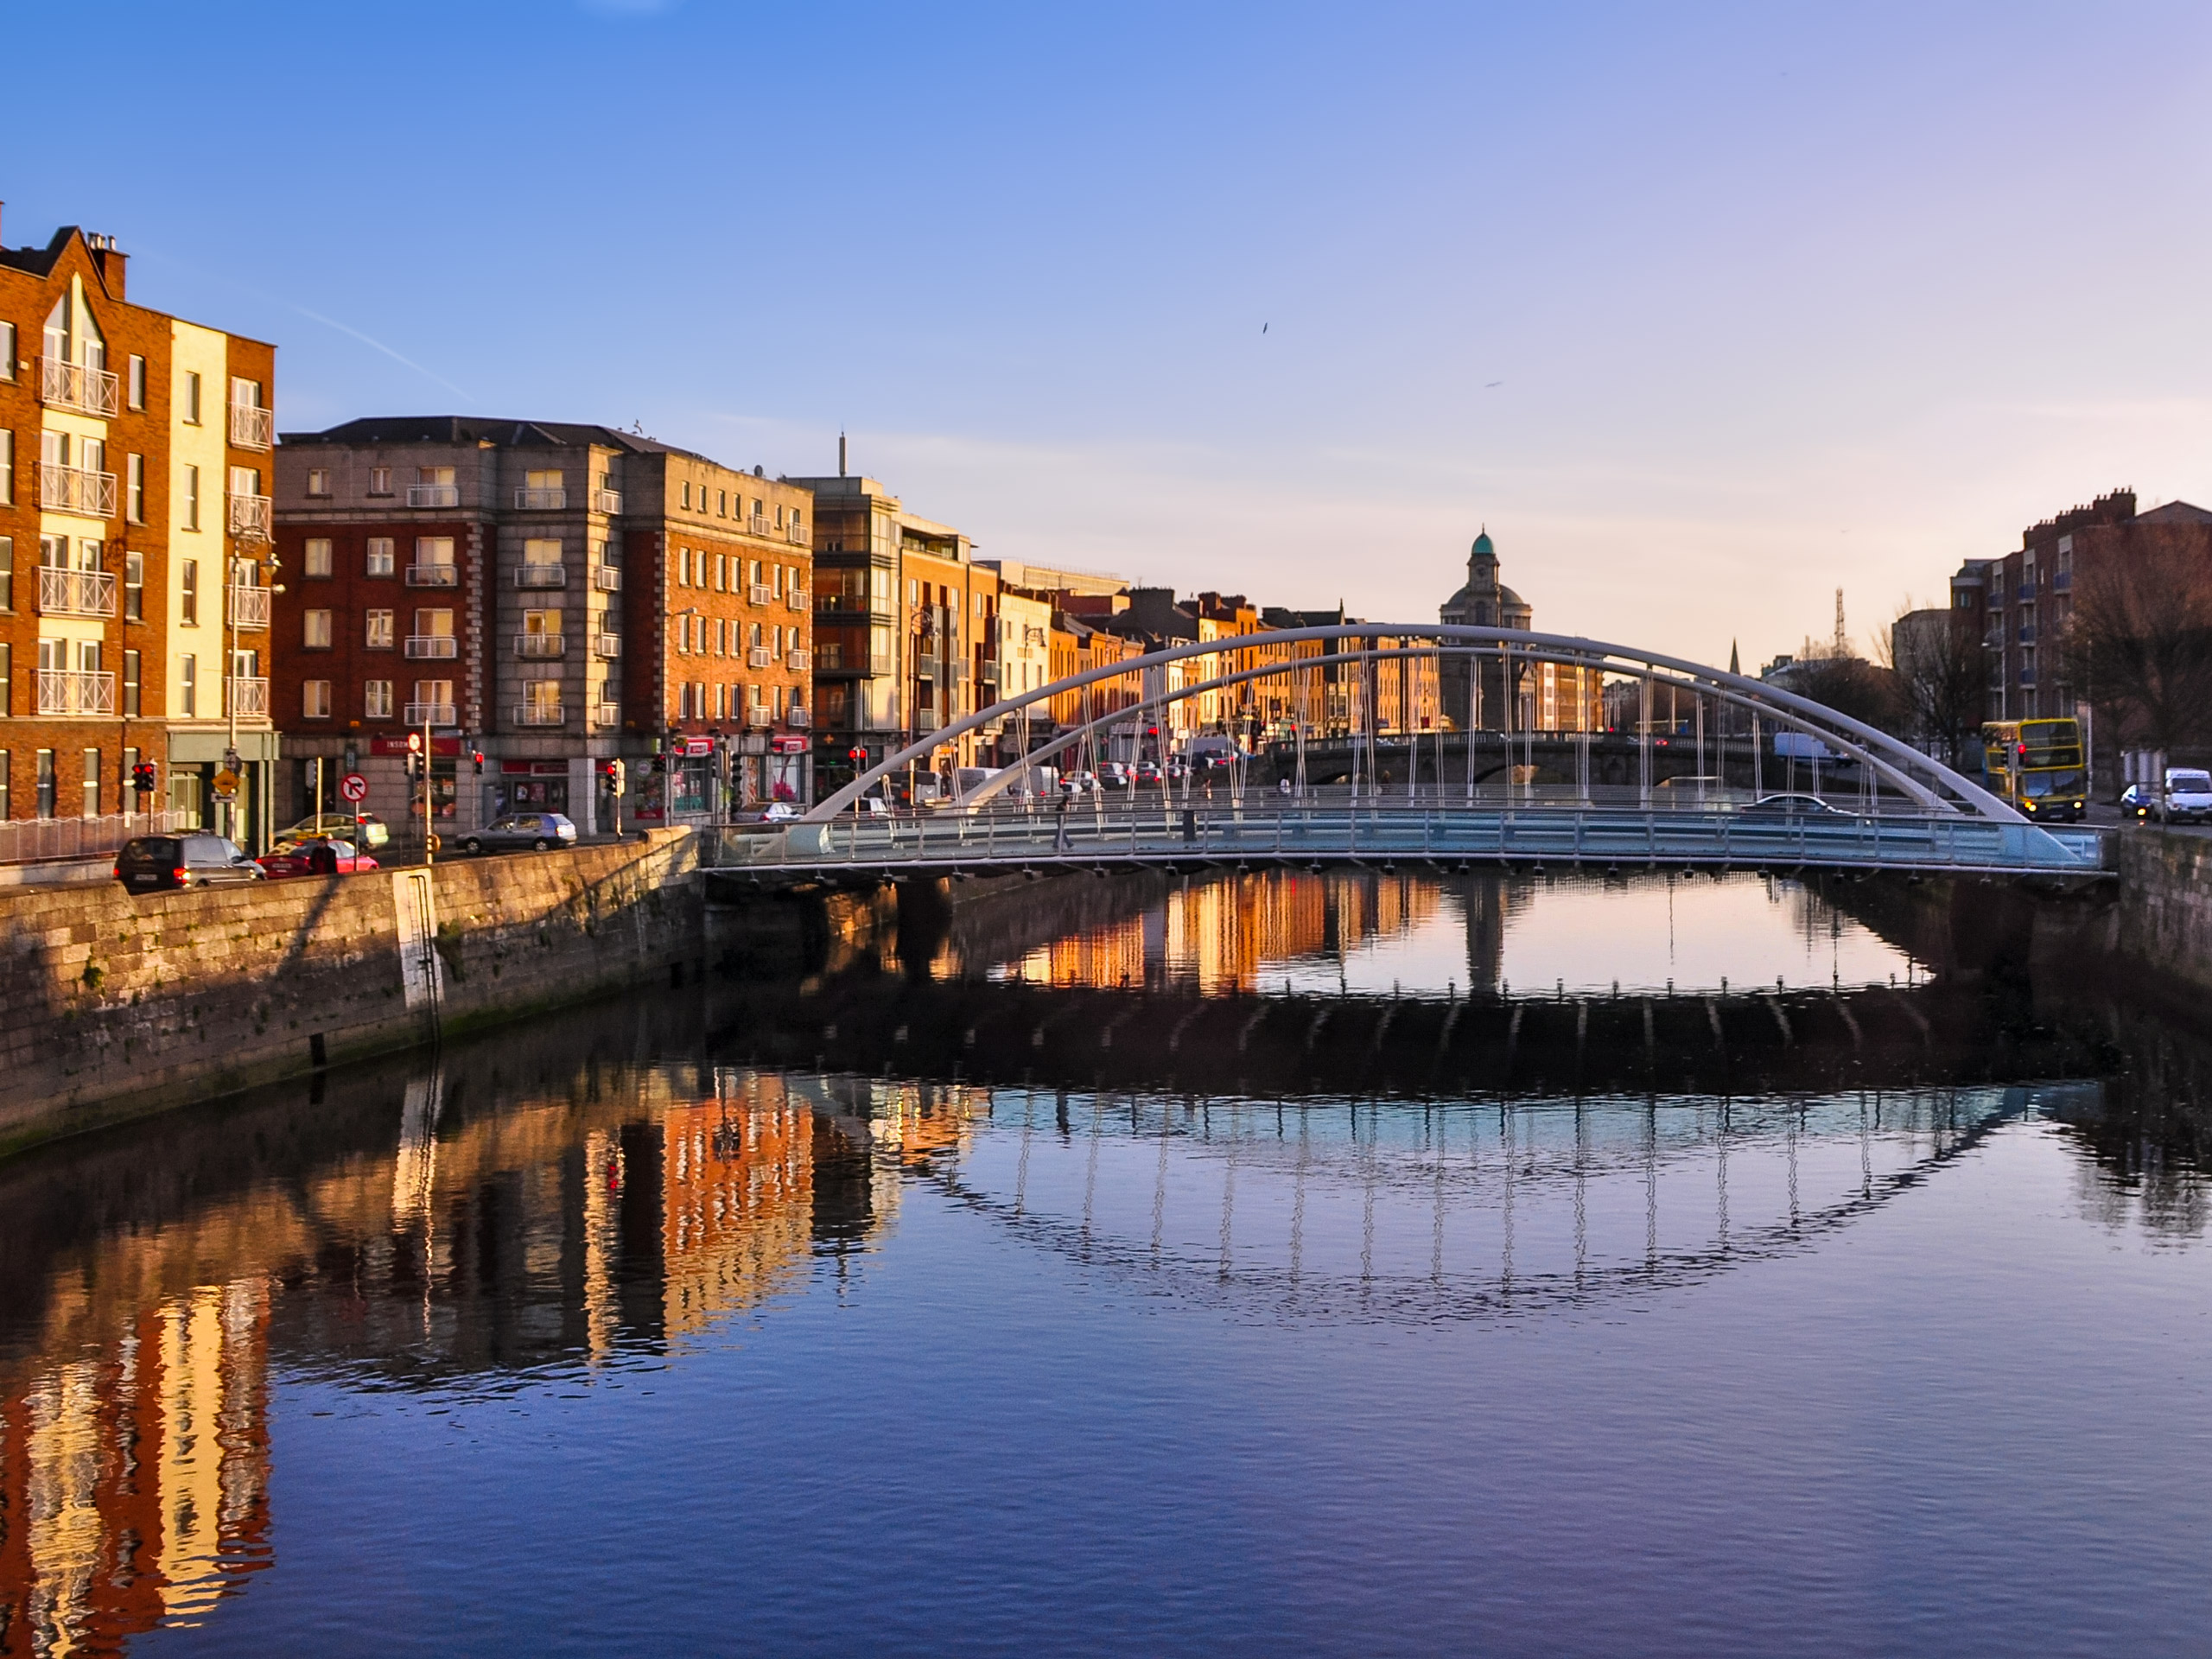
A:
(320, 855)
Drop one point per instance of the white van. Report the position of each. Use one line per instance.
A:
(2188, 794)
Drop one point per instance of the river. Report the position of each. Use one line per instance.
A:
(1360, 1263)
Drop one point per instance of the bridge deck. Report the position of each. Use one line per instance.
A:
(1091, 835)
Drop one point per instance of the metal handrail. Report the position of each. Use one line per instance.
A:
(539, 573)
(75, 592)
(63, 384)
(251, 426)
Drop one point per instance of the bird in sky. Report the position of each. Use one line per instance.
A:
(1263, 327)
(1487, 385)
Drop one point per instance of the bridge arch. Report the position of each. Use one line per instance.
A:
(1932, 785)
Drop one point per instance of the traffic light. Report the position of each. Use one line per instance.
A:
(477, 755)
(616, 777)
(142, 778)
(858, 757)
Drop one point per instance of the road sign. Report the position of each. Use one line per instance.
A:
(353, 787)
(226, 783)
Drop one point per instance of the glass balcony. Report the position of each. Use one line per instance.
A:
(428, 714)
(539, 647)
(433, 495)
(433, 576)
(438, 647)
(539, 713)
(527, 500)
(541, 575)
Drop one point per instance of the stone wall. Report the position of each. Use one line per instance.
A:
(117, 1004)
(2162, 919)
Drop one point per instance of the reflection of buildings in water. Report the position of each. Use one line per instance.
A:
(134, 1486)
(1219, 936)
(1487, 903)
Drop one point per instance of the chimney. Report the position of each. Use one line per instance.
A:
(109, 261)
(841, 455)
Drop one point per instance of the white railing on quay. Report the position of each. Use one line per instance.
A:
(38, 841)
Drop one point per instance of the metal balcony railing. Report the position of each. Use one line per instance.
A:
(761, 594)
(796, 531)
(606, 714)
(539, 647)
(606, 645)
(433, 495)
(428, 714)
(607, 500)
(76, 691)
(249, 517)
(433, 576)
(541, 575)
(529, 500)
(759, 656)
(441, 647)
(607, 578)
(249, 695)
(539, 713)
(249, 607)
(759, 716)
(71, 489)
(797, 718)
(800, 660)
(758, 524)
(795, 598)
(70, 386)
(251, 426)
(75, 592)
(2061, 581)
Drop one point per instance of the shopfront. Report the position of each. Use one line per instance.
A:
(528, 787)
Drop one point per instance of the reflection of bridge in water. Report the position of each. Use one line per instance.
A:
(1311, 1208)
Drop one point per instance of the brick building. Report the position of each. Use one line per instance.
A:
(551, 595)
(134, 456)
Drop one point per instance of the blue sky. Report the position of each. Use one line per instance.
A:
(1705, 310)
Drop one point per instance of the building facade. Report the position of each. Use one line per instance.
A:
(549, 596)
(135, 453)
(1491, 692)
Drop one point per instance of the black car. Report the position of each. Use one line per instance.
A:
(159, 863)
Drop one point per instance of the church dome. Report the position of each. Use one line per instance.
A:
(1482, 547)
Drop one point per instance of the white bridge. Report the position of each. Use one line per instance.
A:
(1881, 805)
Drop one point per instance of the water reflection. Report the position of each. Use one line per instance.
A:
(647, 1183)
(1374, 932)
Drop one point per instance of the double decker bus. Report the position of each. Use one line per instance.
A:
(2038, 765)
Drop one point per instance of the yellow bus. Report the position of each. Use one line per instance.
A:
(2038, 765)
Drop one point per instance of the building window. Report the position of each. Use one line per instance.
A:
(134, 587)
(379, 480)
(314, 631)
(187, 685)
(7, 572)
(381, 630)
(7, 467)
(721, 504)
(191, 396)
(134, 488)
(381, 555)
(7, 369)
(192, 497)
(719, 564)
(188, 594)
(315, 557)
(542, 698)
(7, 760)
(137, 381)
(131, 693)
(683, 566)
(376, 700)
(687, 498)
(315, 699)
(318, 480)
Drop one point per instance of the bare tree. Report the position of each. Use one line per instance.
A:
(1940, 671)
(2139, 646)
(1850, 685)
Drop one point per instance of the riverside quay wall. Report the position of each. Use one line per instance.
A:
(117, 1004)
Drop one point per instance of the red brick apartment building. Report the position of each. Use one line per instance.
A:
(550, 595)
(134, 451)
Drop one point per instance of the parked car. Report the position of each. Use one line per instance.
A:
(362, 828)
(316, 855)
(1148, 774)
(1112, 774)
(1791, 806)
(537, 830)
(156, 864)
(2189, 795)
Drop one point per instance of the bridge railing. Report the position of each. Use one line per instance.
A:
(1586, 836)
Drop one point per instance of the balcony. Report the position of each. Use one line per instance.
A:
(70, 386)
(428, 714)
(433, 576)
(529, 501)
(249, 517)
(436, 647)
(76, 691)
(607, 578)
(761, 594)
(248, 695)
(796, 598)
(2028, 674)
(541, 575)
(75, 592)
(797, 718)
(2027, 633)
(799, 661)
(71, 489)
(606, 645)
(759, 525)
(2062, 581)
(759, 656)
(433, 495)
(249, 607)
(607, 500)
(540, 647)
(855, 605)
(251, 426)
(539, 713)
(796, 531)
(759, 716)
(606, 716)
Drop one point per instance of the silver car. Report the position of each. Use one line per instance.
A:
(539, 831)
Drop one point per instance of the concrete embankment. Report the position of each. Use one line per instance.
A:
(117, 1004)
